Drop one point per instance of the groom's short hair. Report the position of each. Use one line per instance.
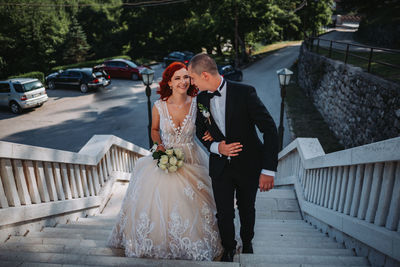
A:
(203, 63)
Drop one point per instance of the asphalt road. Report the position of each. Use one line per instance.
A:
(69, 119)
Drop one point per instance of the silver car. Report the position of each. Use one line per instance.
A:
(22, 93)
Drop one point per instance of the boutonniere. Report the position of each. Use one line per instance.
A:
(204, 111)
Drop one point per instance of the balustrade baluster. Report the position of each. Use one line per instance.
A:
(357, 191)
(333, 187)
(100, 172)
(318, 184)
(366, 191)
(328, 187)
(307, 185)
(104, 166)
(65, 181)
(108, 164)
(324, 177)
(51, 186)
(394, 210)
(375, 192)
(72, 181)
(3, 199)
(31, 180)
(57, 180)
(41, 182)
(90, 180)
(9, 186)
(339, 178)
(95, 177)
(386, 193)
(22, 187)
(343, 188)
(350, 189)
(78, 179)
(313, 182)
(84, 180)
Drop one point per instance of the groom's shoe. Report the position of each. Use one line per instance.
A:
(228, 255)
(247, 248)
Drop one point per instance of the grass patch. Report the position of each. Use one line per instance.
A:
(259, 50)
(306, 119)
(383, 71)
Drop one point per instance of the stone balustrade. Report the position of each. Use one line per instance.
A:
(37, 182)
(354, 192)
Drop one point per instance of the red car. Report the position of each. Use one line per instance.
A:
(122, 68)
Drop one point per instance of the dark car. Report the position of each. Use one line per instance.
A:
(230, 73)
(84, 79)
(183, 57)
(122, 68)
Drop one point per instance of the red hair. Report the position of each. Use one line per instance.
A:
(165, 91)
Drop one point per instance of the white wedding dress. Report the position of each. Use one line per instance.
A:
(170, 215)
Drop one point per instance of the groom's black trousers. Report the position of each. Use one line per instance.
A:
(224, 187)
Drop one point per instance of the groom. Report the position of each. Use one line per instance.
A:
(239, 162)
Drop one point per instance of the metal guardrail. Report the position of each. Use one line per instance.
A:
(371, 49)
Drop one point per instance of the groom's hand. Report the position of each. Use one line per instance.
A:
(230, 150)
(266, 182)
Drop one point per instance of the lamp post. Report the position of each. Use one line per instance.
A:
(284, 78)
(148, 77)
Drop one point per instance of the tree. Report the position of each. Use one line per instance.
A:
(76, 47)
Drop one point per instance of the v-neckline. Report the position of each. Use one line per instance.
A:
(178, 129)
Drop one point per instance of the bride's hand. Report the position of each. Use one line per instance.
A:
(207, 136)
(160, 148)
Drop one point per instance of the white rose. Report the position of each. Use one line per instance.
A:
(172, 168)
(180, 163)
(164, 159)
(169, 152)
(206, 113)
(162, 166)
(173, 161)
(178, 152)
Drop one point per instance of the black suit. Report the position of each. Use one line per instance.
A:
(244, 110)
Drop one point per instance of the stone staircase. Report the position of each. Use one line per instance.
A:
(282, 239)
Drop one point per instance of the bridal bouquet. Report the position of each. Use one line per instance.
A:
(170, 160)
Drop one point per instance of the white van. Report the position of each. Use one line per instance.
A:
(22, 93)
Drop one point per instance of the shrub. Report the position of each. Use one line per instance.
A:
(34, 74)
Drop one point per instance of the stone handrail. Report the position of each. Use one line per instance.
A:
(355, 191)
(38, 182)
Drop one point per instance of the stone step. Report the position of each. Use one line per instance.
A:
(295, 244)
(304, 251)
(97, 219)
(58, 258)
(304, 239)
(36, 264)
(276, 193)
(61, 241)
(76, 231)
(266, 235)
(275, 221)
(251, 259)
(84, 226)
(102, 216)
(83, 236)
(286, 229)
(56, 248)
(94, 222)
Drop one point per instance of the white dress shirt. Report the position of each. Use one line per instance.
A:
(217, 109)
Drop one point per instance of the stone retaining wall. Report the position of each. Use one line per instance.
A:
(360, 108)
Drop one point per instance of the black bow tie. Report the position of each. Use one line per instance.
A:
(217, 93)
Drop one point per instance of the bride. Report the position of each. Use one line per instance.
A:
(170, 215)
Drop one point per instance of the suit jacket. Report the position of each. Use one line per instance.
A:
(244, 111)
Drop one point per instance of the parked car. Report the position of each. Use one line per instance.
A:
(122, 68)
(230, 73)
(183, 57)
(22, 93)
(84, 79)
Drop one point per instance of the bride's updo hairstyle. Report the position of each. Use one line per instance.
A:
(165, 91)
